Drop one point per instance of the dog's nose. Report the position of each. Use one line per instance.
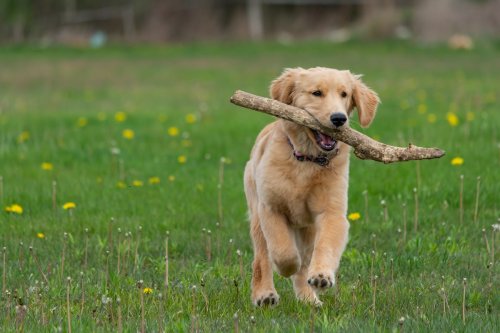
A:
(338, 119)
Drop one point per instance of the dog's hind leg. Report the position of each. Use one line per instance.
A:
(263, 291)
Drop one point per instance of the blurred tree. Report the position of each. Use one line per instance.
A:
(15, 15)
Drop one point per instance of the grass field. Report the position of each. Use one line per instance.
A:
(137, 135)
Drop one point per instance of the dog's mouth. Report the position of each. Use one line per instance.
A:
(324, 141)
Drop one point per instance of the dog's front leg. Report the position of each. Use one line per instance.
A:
(280, 241)
(331, 239)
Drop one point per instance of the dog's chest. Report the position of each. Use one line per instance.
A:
(299, 214)
(298, 203)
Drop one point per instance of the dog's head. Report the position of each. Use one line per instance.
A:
(330, 95)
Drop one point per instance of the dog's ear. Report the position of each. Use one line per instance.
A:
(282, 88)
(365, 100)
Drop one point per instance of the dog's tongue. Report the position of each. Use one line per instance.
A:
(326, 140)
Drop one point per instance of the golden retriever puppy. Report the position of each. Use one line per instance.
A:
(296, 184)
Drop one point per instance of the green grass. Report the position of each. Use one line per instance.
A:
(45, 92)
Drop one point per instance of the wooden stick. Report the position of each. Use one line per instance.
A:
(364, 146)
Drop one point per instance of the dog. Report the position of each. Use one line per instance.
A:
(296, 184)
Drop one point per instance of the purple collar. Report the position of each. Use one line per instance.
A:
(321, 159)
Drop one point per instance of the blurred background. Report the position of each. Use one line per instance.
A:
(95, 22)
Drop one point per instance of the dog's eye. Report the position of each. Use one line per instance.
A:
(317, 93)
(343, 94)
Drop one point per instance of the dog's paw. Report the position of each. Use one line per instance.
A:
(266, 299)
(309, 296)
(321, 281)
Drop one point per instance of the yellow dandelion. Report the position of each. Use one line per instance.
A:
(421, 95)
(422, 108)
(120, 117)
(154, 180)
(47, 166)
(137, 183)
(121, 184)
(128, 134)
(173, 131)
(470, 116)
(431, 118)
(457, 161)
(15, 209)
(101, 116)
(404, 104)
(69, 205)
(82, 122)
(190, 118)
(147, 290)
(40, 235)
(182, 159)
(23, 136)
(171, 178)
(354, 216)
(452, 119)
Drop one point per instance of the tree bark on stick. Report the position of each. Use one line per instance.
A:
(364, 146)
